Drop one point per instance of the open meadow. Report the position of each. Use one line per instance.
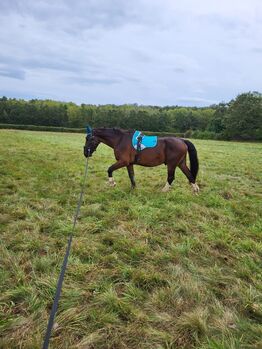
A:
(147, 269)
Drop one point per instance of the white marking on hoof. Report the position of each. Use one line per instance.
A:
(195, 188)
(111, 182)
(166, 187)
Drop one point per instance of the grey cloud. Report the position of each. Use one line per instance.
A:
(131, 79)
(83, 14)
(12, 73)
(146, 51)
(57, 63)
(222, 21)
(9, 6)
(140, 55)
(257, 49)
(92, 81)
(179, 70)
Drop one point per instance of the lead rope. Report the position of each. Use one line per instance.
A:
(63, 269)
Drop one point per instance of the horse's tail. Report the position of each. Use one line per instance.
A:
(194, 165)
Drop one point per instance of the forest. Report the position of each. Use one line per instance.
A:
(239, 119)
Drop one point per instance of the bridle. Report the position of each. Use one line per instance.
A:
(90, 137)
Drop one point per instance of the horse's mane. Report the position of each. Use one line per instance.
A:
(121, 130)
(115, 130)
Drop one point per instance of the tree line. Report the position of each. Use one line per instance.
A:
(241, 118)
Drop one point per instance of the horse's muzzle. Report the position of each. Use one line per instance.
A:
(87, 152)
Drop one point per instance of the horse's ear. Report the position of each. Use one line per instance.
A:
(89, 130)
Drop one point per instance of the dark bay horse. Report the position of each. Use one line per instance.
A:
(170, 151)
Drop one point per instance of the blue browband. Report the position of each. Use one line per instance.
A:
(89, 130)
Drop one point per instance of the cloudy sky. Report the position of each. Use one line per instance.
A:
(160, 52)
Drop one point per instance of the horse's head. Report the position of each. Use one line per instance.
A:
(92, 142)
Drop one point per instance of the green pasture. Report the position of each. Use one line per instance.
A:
(147, 269)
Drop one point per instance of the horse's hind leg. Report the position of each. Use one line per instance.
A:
(183, 167)
(131, 174)
(170, 177)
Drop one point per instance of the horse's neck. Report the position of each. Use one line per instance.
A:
(109, 139)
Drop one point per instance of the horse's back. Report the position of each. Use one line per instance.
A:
(175, 149)
(175, 143)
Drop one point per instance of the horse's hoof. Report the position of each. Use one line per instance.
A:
(111, 182)
(195, 188)
(166, 188)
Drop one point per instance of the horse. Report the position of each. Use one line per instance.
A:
(170, 151)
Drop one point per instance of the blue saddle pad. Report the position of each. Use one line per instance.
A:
(147, 141)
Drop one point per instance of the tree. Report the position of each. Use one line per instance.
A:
(243, 119)
(216, 123)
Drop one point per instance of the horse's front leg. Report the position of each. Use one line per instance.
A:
(111, 169)
(131, 174)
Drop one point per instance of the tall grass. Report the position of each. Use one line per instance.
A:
(147, 269)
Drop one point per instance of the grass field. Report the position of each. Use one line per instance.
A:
(147, 269)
